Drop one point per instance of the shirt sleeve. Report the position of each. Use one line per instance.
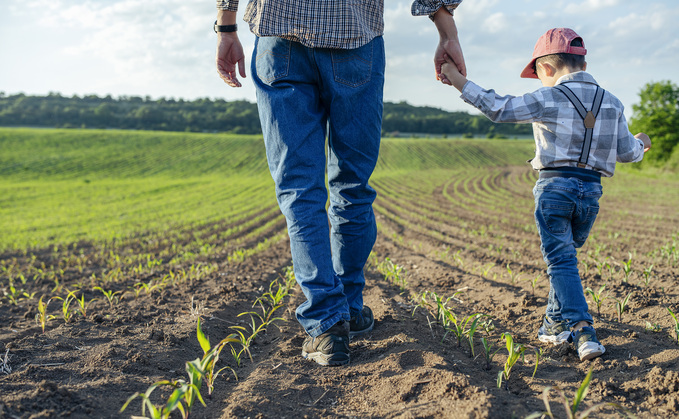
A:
(429, 7)
(230, 5)
(629, 149)
(517, 109)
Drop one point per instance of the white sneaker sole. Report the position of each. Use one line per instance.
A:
(590, 350)
(555, 339)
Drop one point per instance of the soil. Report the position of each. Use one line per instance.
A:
(407, 367)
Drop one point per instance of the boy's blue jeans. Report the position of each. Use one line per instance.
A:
(565, 210)
(304, 94)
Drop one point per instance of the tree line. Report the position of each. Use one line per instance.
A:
(217, 115)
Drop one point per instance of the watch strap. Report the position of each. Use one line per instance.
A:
(225, 28)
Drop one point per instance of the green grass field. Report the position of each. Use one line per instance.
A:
(64, 186)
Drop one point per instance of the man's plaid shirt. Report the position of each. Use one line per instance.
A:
(558, 128)
(343, 24)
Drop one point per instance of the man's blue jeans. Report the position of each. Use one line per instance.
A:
(565, 210)
(304, 94)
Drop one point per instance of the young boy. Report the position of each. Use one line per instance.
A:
(580, 131)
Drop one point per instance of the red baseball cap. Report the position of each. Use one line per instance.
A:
(554, 41)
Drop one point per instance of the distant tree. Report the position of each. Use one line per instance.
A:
(657, 115)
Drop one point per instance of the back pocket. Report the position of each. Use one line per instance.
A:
(273, 58)
(557, 215)
(352, 67)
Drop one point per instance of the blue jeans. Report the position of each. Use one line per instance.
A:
(565, 210)
(303, 95)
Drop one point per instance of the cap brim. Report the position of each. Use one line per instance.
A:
(529, 71)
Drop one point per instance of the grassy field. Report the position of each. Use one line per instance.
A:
(64, 186)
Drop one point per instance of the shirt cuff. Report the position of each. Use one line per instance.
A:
(430, 7)
(470, 92)
(229, 5)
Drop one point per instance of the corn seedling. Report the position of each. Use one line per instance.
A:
(573, 407)
(396, 274)
(42, 318)
(488, 351)
(458, 259)
(110, 295)
(82, 304)
(621, 305)
(513, 275)
(66, 312)
(676, 324)
(538, 354)
(627, 267)
(586, 266)
(534, 283)
(647, 275)
(13, 295)
(515, 351)
(472, 329)
(597, 297)
(487, 269)
(173, 403)
(210, 358)
(601, 265)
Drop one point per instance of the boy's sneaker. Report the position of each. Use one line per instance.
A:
(361, 322)
(587, 344)
(554, 332)
(331, 347)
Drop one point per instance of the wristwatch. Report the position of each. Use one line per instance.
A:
(225, 28)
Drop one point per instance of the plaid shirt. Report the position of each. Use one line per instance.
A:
(557, 127)
(338, 24)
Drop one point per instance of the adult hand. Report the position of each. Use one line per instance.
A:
(230, 54)
(644, 139)
(449, 45)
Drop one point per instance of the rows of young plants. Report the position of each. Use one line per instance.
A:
(102, 218)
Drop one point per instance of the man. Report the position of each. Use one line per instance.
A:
(318, 69)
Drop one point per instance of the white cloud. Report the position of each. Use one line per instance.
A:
(589, 6)
(496, 23)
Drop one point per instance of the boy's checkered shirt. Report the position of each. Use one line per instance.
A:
(558, 128)
(339, 24)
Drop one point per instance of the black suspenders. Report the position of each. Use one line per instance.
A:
(588, 117)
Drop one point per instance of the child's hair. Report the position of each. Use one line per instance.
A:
(562, 60)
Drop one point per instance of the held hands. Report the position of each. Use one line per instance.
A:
(451, 72)
(644, 139)
(230, 54)
(449, 45)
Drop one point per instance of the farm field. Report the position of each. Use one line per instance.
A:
(113, 244)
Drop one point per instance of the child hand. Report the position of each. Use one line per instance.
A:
(644, 139)
(451, 73)
(449, 68)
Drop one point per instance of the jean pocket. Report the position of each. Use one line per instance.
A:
(352, 67)
(273, 58)
(583, 226)
(557, 214)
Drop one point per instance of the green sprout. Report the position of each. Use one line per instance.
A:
(676, 324)
(515, 351)
(627, 267)
(597, 297)
(621, 305)
(573, 407)
(42, 318)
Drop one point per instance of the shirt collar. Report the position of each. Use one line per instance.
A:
(578, 76)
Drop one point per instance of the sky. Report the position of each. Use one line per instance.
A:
(166, 48)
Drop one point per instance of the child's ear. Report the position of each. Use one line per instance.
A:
(547, 69)
(584, 66)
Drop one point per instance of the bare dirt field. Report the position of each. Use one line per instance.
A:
(449, 232)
